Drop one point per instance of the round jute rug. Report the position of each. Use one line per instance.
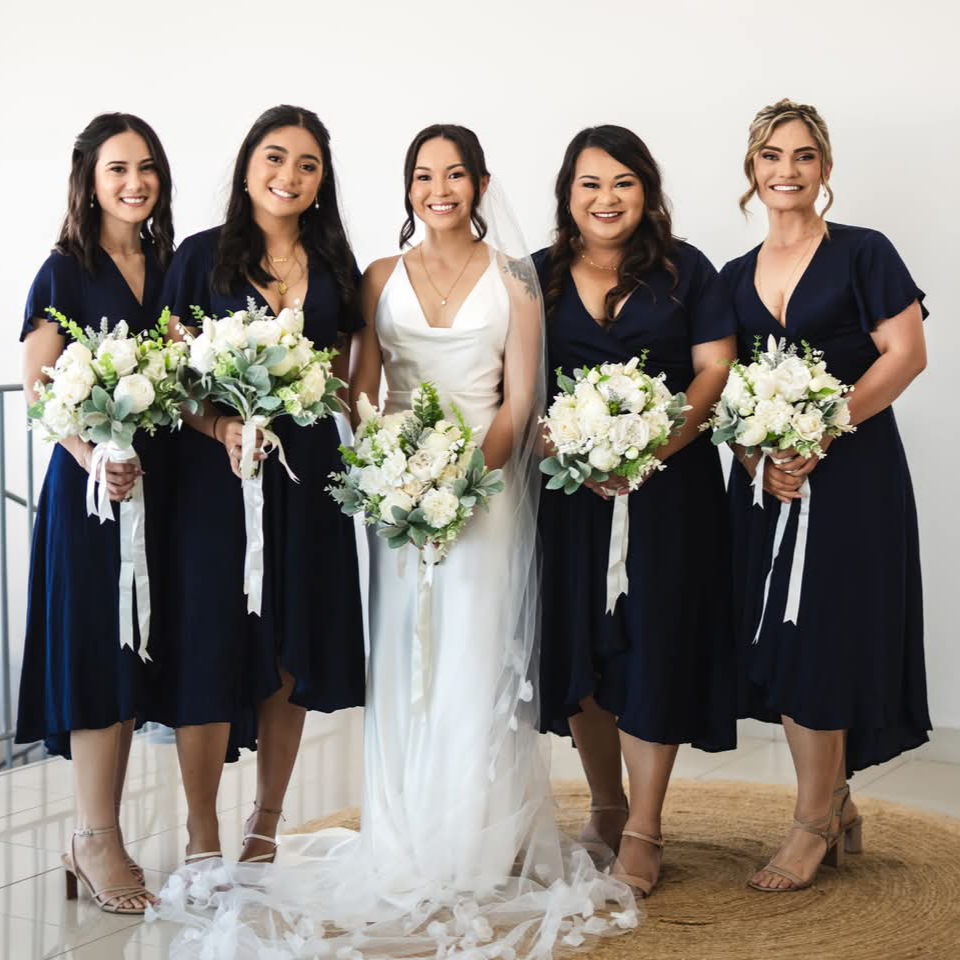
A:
(898, 900)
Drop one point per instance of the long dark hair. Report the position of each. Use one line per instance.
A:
(471, 153)
(80, 233)
(652, 241)
(242, 246)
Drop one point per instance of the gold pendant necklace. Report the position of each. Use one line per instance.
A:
(793, 272)
(281, 281)
(599, 266)
(445, 297)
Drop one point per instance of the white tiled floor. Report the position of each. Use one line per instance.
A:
(36, 817)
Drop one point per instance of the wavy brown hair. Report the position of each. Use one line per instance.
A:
(651, 243)
(471, 154)
(80, 232)
(242, 247)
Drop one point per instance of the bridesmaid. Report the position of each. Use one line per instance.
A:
(658, 671)
(847, 680)
(79, 690)
(282, 243)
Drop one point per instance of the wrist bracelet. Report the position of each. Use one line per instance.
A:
(216, 420)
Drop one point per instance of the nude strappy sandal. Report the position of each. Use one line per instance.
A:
(116, 900)
(852, 831)
(641, 886)
(590, 838)
(832, 857)
(264, 857)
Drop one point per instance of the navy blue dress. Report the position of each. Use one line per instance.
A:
(663, 662)
(75, 675)
(854, 659)
(221, 661)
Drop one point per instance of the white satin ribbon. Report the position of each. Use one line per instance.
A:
(758, 482)
(617, 582)
(421, 656)
(252, 486)
(134, 572)
(792, 608)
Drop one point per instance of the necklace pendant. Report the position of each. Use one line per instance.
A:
(443, 301)
(281, 287)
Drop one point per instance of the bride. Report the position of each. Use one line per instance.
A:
(458, 848)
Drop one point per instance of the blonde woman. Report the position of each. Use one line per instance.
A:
(847, 679)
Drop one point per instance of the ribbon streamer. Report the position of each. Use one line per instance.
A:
(758, 482)
(421, 656)
(252, 487)
(134, 572)
(617, 582)
(792, 608)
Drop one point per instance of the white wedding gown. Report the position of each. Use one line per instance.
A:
(458, 848)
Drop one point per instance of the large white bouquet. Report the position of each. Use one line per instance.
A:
(782, 400)
(104, 387)
(414, 474)
(263, 367)
(610, 420)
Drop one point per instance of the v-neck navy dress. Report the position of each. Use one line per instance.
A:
(664, 661)
(75, 674)
(854, 660)
(222, 661)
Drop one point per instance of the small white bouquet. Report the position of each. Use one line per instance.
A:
(415, 474)
(105, 386)
(782, 400)
(610, 420)
(263, 367)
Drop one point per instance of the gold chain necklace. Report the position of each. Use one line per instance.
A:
(793, 272)
(281, 281)
(599, 266)
(463, 270)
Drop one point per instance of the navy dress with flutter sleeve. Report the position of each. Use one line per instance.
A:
(663, 662)
(223, 661)
(854, 659)
(75, 675)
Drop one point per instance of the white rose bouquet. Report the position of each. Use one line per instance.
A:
(415, 474)
(105, 386)
(610, 420)
(263, 367)
(782, 400)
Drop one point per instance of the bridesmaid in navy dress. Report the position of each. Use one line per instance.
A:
(658, 672)
(80, 692)
(282, 242)
(847, 680)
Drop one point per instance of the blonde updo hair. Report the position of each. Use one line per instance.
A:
(766, 121)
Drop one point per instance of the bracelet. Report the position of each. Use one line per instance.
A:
(216, 420)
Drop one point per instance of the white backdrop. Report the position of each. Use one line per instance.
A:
(687, 75)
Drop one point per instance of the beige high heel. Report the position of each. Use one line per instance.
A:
(590, 838)
(641, 886)
(832, 856)
(852, 831)
(264, 857)
(109, 899)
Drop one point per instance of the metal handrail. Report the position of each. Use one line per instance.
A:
(7, 731)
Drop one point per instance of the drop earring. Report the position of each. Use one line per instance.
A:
(316, 202)
(92, 204)
(245, 190)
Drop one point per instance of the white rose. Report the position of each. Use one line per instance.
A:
(449, 475)
(604, 457)
(754, 432)
(73, 383)
(762, 380)
(137, 389)
(77, 353)
(823, 381)
(622, 387)
(658, 422)
(414, 487)
(792, 379)
(264, 333)
(426, 466)
(365, 409)
(156, 366)
(437, 443)
(776, 414)
(60, 419)
(395, 497)
(738, 395)
(629, 430)
(841, 416)
(314, 383)
(230, 330)
(564, 425)
(290, 321)
(809, 425)
(439, 507)
(202, 354)
(593, 376)
(392, 422)
(123, 355)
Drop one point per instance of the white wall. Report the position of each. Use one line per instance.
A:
(686, 75)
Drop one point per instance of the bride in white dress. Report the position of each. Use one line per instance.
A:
(458, 848)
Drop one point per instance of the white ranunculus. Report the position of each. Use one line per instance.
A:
(137, 389)
(60, 419)
(313, 384)
(604, 457)
(231, 329)
(629, 430)
(762, 380)
(202, 354)
(754, 432)
(738, 395)
(792, 379)
(439, 507)
(290, 321)
(77, 353)
(155, 368)
(808, 425)
(73, 383)
(395, 497)
(776, 414)
(264, 333)
(123, 355)
(282, 367)
(426, 466)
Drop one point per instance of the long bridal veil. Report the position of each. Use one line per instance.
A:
(487, 873)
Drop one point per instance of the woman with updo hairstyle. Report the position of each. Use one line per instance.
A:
(658, 670)
(846, 679)
(80, 691)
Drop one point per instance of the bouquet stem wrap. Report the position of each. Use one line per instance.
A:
(422, 652)
(792, 608)
(252, 486)
(133, 547)
(617, 582)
